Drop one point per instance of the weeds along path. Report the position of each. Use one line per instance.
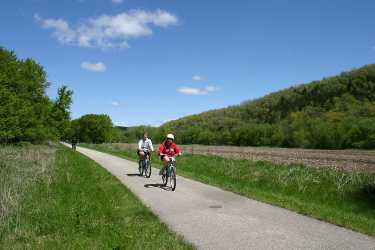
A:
(348, 160)
(54, 198)
(211, 218)
(19, 170)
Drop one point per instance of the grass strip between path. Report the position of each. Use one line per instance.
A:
(74, 204)
(342, 198)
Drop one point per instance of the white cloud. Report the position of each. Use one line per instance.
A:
(108, 31)
(198, 78)
(117, 1)
(116, 104)
(96, 67)
(212, 88)
(197, 91)
(62, 32)
(37, 17)
(169, 120)
(121, 124)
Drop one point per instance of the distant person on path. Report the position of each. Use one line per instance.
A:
(74, 143)
(167, 150)
(144, 147)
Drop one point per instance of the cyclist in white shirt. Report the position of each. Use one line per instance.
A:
(144, 146)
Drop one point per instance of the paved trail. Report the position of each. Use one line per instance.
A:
(211, 218)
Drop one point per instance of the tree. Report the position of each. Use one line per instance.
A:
(25, 110)
(93, 128)
(60, 113)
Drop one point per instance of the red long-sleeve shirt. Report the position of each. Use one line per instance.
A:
(169, 150)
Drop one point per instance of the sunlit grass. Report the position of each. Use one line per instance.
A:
(66, 201)
(20, 169)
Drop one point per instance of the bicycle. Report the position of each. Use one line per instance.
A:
(170, 173)
(145, 165)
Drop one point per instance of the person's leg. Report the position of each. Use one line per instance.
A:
(141, 155)
(165, 160)
(162, 160)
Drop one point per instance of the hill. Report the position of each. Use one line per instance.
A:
(335, 112)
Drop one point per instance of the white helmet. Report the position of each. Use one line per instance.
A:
(170, 136)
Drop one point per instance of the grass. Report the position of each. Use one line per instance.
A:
(20, 169)
(342, 198)
(53, 198)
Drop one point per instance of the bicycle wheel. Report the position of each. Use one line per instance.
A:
(148, 169)
(140, 168)
(164, 178)
(173, 179)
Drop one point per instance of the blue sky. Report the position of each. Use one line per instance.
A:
(146, 62)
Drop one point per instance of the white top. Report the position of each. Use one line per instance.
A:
(145, 145)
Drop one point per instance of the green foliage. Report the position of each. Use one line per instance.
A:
(62, 200)
(60, 116)
(93, 128)
(336, 112)
(118, 135)
(26, 113)
(133, 134)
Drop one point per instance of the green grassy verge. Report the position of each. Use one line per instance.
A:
(53, 198)
(343, 198)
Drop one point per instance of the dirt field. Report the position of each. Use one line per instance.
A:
(357, 160)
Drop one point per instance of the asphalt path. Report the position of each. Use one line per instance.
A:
(211, 218)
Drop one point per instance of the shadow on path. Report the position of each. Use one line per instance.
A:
(157, 185)
(133, 174)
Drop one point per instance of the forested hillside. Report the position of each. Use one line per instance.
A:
(335, 112)
(26, 113)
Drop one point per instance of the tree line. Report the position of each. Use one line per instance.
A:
(333, 113)
(26, 113)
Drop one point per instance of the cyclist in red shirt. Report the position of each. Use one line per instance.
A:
(168, 149)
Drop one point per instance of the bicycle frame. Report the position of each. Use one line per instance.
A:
(143, 164)
(171, 165)
(169, 174)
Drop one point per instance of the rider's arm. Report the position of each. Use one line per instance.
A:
(151, 146)
(161, 149)
(140, 145)
(177, 150)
